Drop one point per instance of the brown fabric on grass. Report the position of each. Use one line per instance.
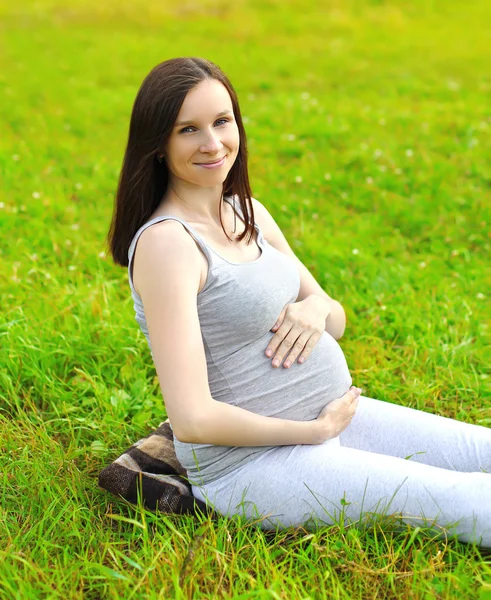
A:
(151, 465)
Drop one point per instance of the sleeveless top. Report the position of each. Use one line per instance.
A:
(237, 308)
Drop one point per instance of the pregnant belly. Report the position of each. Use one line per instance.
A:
(298, 393)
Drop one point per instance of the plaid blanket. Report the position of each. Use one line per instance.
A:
(150, 467)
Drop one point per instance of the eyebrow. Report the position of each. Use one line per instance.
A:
(224, 112)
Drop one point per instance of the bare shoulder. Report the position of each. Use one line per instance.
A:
(257, 206)
(265, 220)
(165, 233)
(163, 246)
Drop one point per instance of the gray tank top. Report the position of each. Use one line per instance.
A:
(237, 308)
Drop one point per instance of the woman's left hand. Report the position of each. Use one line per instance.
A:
(298, 329)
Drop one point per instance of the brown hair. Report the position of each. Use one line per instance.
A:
(143, 179)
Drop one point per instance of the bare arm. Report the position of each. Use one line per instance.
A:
(166, 274)
(228, 425)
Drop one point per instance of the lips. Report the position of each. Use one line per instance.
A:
(212, 163)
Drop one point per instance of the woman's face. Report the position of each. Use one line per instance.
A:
(205, 131)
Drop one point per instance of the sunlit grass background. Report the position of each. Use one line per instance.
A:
(369, 133)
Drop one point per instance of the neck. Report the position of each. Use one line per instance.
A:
(198, 203)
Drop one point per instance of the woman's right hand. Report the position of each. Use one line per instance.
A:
(337, 415)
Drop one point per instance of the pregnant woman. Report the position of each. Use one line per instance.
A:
(265, 418)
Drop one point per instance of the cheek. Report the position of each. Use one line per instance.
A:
(233, 140)
(236, 135)
(181, 155)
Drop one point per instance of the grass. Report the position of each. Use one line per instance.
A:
(369, 132)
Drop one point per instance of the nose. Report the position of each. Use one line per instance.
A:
(212, 143)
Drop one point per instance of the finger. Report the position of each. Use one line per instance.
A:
(353, 406)
(298, 347)
(309, 346)
(278, 324)
(285, 346)
(279, 319)
(278, 337)
(353, 394)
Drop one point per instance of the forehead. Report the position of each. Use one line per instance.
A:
(208, 96)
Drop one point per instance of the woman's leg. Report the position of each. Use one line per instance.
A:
(426, 438)
(312, 485)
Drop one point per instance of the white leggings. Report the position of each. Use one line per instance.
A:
(424, 469)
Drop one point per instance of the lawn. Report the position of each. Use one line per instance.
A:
(368, 124)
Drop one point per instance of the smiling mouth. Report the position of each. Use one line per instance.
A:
(212, 163)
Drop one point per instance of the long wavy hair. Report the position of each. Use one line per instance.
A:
(143, 179)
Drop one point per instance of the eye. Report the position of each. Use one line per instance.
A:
(218, 121)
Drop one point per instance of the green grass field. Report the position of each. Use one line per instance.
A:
(369, 133)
